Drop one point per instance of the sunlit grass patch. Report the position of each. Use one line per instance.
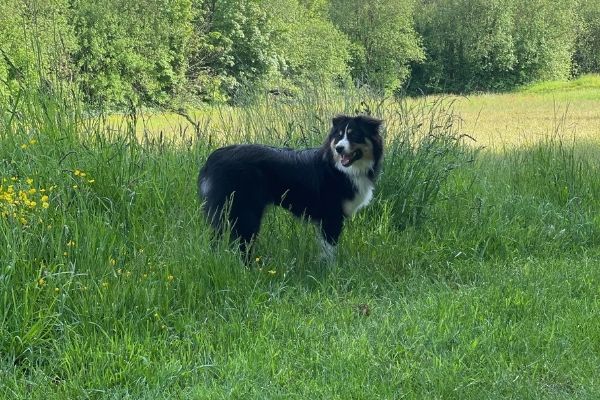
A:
(586, 87)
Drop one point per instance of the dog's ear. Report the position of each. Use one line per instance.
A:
(338, 120)
(369, 124)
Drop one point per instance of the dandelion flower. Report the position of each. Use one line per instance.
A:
(272, 272)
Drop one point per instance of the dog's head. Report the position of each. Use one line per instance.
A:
(355, 144)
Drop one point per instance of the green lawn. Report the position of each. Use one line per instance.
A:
(474, 273)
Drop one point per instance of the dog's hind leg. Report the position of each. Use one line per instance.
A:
(245, 225)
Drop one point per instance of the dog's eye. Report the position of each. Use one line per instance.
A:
(340, 134)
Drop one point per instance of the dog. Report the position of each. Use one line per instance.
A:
(324, 185)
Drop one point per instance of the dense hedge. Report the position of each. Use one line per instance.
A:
(161, 52)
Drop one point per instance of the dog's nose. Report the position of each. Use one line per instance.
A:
(339, 149)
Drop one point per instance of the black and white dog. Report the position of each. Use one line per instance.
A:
(325, 184)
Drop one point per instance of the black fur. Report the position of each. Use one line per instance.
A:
(238, 182)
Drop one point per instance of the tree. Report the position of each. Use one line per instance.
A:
(35, 43)
(384, 39)
(131, 52)
(544, 37)
(308, 47)
(587, 52)
(492, 44)
(232, 47)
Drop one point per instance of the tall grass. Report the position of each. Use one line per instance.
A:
(471, 274)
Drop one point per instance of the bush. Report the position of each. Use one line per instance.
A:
(35, 43)
(308, 47)
(587, 50)
(498, 44)
(131, 52)
(383, 37)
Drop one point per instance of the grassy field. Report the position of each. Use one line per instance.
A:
(474, 273)
(570, 110)
(536, 112)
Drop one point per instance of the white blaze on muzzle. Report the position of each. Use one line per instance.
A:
(344, 142)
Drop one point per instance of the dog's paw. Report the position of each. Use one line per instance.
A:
(328, 252)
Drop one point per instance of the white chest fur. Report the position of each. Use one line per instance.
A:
(362, 196)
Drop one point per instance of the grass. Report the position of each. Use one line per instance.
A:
(584, 87)
(477, 279)
(570, 109)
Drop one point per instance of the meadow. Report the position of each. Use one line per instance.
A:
(473, 274)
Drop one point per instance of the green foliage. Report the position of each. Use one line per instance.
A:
(383, 37)
(544, 39)
(35, 43)
(497, 45)
(131, 52)
(587, 54)
(231, 48)
(179, 52)
(309, 48)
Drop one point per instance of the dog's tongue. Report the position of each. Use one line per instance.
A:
(346, 160)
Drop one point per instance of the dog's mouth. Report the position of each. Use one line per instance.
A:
(347, 159)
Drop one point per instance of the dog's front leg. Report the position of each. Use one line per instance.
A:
(331, 229)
